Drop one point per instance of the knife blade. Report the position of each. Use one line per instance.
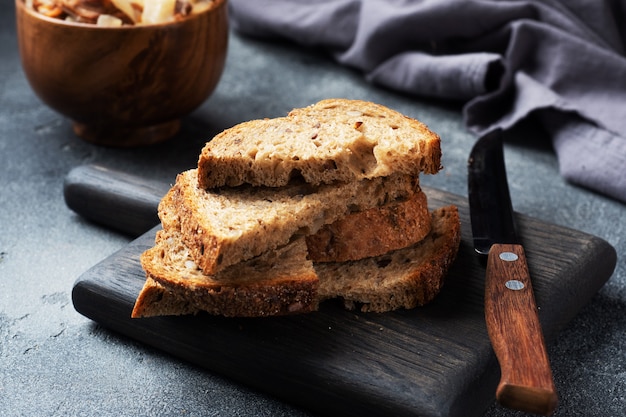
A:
(511, 315)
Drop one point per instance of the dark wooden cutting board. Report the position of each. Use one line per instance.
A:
(431, 361)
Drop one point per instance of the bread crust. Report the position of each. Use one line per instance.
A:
(372, 232)
(334, 140)
(405, 278)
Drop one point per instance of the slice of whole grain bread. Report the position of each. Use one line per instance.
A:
(358, 235)
(279, 282)
(224, 226)
(333, 140)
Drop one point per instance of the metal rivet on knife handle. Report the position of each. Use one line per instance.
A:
(508, 256)
(514, 284)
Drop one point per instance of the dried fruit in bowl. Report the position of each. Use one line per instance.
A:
(119, 12)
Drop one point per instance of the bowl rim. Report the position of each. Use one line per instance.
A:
(21, 4)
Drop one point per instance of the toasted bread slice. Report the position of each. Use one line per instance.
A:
(358, 235)
(372, 232)
(279, 282)
(335, 140)
(224, 226)
(405, 278)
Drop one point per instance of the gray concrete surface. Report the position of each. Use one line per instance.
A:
(54, 362)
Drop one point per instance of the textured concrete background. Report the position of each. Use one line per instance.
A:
(53, 361)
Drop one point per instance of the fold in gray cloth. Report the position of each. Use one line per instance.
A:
(563, 61)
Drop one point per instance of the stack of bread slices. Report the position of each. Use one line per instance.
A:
(282, 214)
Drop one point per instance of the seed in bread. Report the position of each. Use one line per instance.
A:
(333, 140)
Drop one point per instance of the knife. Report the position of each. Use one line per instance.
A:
(513, 325)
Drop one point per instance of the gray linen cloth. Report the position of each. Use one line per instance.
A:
(562, 62)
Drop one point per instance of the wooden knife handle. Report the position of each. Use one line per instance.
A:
(122, 201)
(526, 382)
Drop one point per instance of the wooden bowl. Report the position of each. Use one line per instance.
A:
(124, 86)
